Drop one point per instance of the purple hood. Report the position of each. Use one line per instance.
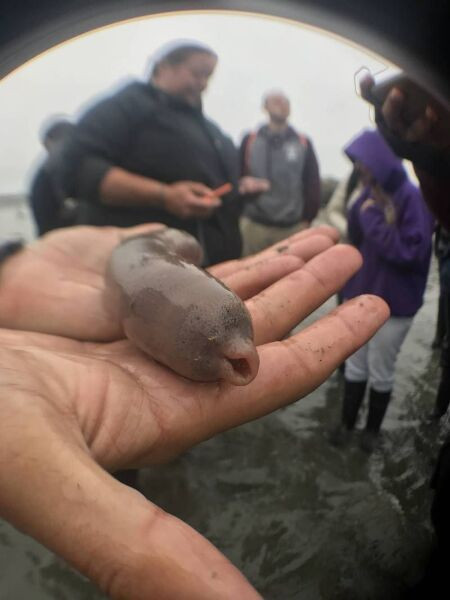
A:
(371, 150)
(396, 256)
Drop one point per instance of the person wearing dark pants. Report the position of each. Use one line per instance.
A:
(392, 228)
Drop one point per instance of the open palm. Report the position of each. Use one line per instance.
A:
(71, 411)
(56, 285)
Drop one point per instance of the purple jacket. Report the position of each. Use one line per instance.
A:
(396, 257)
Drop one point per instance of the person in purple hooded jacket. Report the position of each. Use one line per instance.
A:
(392, 228)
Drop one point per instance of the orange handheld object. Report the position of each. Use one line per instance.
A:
(222, 190)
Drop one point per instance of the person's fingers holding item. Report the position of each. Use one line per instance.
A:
(303, 247)
(291, 369)
(295, 367)
(187, 199)
(306, 249)
(199, 189)
(201, 200)
(288, 246)
(128, 232)
(109, 532)
(419, 130)
(366, 83)
(248, 281)
(282, 306)
(327, 230)
(393, 111)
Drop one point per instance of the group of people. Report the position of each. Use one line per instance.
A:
(147, 154)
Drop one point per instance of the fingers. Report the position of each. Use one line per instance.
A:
(291, 369)
(253, 185)
(249, 281)
(129, 232)
(279, 308)
(200, 189)
(123, 543)
(287, 246)
(412, 129)
(365, 85)
(393, 109)
(420, 128)
(201, 200)
(306, 249)
(222, 190)
(14, 338)
(253, 277)
(110, 533)
(202, 206)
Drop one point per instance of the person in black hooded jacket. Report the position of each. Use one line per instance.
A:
(148, 154)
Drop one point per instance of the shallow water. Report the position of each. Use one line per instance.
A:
(301, 519)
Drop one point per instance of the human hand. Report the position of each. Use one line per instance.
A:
(253, 185)
(383, 201)
(71, 411)
(56, 285)
(430, 125)
(367, 204)
(189, 199)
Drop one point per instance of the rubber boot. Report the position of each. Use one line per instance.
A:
(378, 403)
(351, 403)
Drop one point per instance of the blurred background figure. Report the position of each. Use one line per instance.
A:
(392, 228)
(334, 212)
(49, 205)
(147, 153)
(276, 152)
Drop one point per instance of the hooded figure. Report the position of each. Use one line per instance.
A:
(392, 228)
(395, 238)
(147, 153)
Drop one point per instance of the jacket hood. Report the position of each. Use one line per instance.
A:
(370, 149)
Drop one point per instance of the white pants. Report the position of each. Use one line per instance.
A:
(375, 361)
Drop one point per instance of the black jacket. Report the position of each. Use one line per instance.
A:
(47, 202)
(148, 132)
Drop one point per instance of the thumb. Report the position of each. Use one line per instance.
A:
(126, 545)
(200, 189)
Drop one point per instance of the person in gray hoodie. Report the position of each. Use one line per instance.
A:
(286, 159)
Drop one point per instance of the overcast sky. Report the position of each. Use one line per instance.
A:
(315, 70)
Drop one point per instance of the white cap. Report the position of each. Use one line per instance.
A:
(163, 51)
